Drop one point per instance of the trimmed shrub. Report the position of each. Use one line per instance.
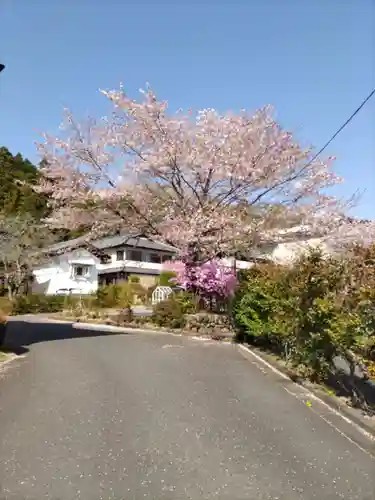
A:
(78, 306)
(139, 292)
(120, 295)
(260, 313)
(116, 295)
(125, 295)
(33, 304)
(80, 302)
(168, 313)
(107, 296)
(301, 312)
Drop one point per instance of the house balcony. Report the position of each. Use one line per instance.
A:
(130, 267)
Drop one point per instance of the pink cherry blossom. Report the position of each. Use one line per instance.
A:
(214, 181)
(208, 279)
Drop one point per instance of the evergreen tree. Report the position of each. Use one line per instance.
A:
(17, 196)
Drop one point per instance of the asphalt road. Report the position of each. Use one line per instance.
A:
(131, 417)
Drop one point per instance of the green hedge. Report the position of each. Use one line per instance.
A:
(116, 295)
(32, 304)
(35, 303)
(311, 312)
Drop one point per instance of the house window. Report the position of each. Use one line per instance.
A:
(81, 271)
(155, 258)
(165, 258)
(120, 255)
(136, 255)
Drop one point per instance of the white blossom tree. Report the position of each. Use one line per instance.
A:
(202, 181)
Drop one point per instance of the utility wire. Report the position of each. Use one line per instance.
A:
(341, 128)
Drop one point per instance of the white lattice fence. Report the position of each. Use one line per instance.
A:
(160, 293)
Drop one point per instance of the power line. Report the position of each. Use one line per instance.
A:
(341, 128)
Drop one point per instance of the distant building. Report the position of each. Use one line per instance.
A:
(82, 267)
(78, 266)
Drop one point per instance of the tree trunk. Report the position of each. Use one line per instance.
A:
(10, 291)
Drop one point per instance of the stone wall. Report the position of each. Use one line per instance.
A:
(213, 325)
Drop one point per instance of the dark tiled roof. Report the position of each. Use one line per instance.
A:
(111, 242)
(65, 245)
(132, 241)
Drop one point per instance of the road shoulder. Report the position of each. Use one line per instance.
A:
(347, 421)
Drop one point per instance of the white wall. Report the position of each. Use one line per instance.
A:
(286, 253)
(59, 273)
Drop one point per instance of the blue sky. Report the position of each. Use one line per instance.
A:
(311, 59)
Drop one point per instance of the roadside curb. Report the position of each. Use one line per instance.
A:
(78, 325)
(129, 330)
(331, 402)
(112, 328)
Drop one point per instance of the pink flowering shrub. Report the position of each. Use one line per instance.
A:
(211, 281)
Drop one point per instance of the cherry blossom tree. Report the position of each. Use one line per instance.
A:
(205, 182)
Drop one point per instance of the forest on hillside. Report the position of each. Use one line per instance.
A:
(22, 231)
(17, 196)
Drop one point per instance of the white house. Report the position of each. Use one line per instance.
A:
(81, 268)
(297, 240)
(78, 267)
(74, 271)
(288, 251)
